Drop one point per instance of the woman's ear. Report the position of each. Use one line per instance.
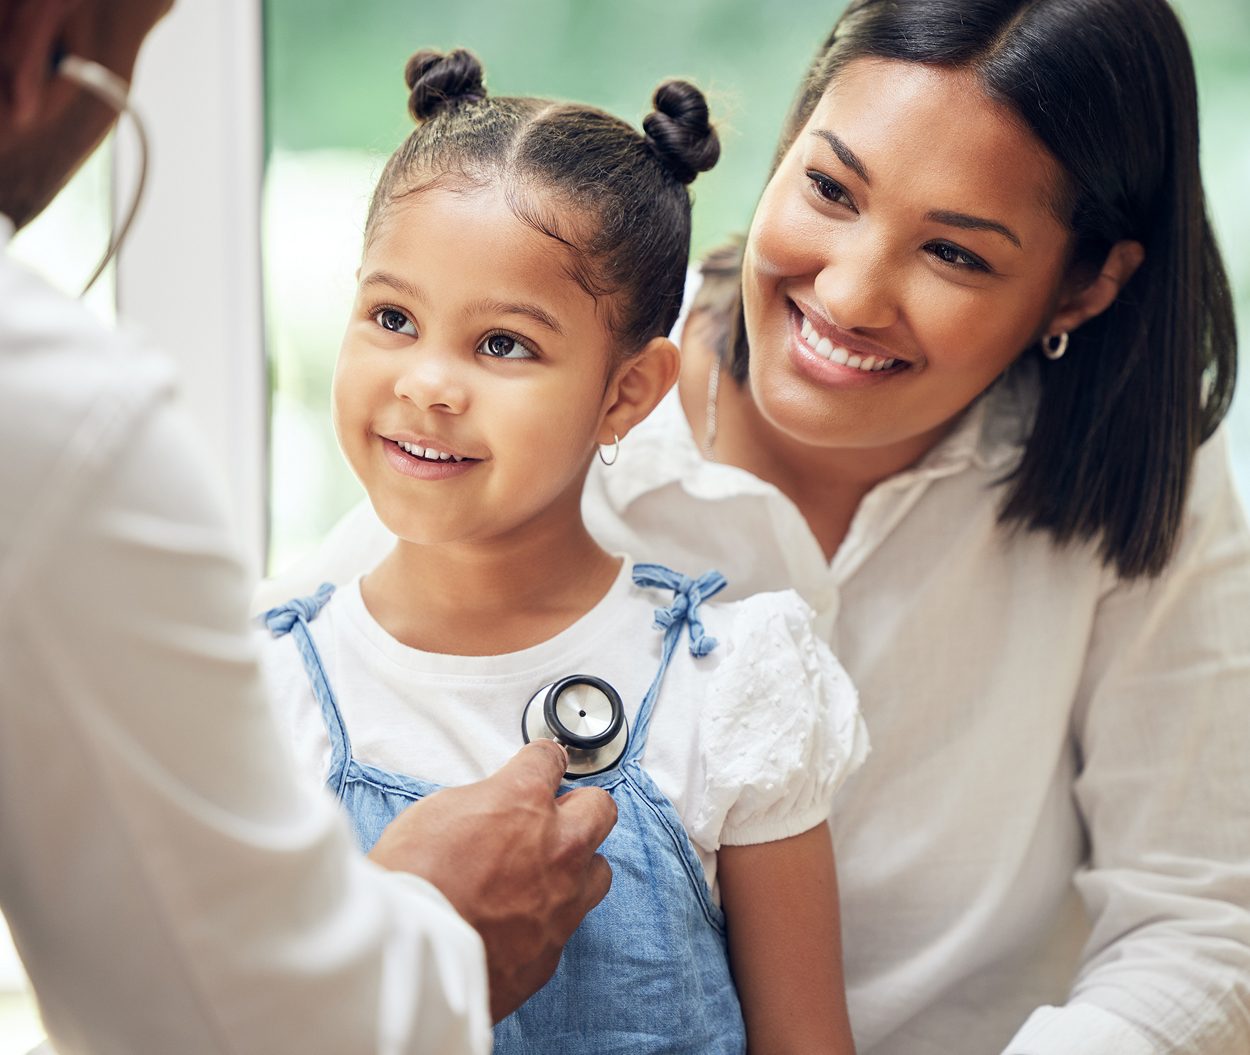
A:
(640, 382)
(1082, 301)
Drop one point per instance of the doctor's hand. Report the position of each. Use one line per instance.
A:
(517, 863)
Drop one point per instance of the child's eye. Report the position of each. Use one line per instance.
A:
(956, 257)
(830, 190)
(504, 346)
(394, 320)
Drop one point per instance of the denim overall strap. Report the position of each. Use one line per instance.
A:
(293, 618)
(689, 594)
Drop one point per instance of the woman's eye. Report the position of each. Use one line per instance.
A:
(956, 257)
(504, 346)
(830, 190)
(394, 320)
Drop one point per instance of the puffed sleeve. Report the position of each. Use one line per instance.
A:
(780, 728)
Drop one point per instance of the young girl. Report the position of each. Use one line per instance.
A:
(523, 261)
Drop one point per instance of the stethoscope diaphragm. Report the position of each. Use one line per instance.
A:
(585, 714)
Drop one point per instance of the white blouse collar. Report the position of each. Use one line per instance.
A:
(662, 450)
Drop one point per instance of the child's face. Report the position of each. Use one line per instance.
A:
(468, 339)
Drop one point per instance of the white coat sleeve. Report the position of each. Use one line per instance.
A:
(1163, 728)
(170, 884)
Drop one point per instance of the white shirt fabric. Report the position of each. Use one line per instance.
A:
(1048, 852)
(170, 884)
(749, 742)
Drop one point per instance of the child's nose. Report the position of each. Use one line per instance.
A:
(433, 380)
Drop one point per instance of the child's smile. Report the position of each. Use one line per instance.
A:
(471, 385)
(424, 462)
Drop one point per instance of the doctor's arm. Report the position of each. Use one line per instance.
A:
(169, 883)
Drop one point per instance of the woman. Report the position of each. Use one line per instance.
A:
(956, 392)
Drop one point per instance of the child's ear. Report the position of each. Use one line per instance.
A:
(640, 382)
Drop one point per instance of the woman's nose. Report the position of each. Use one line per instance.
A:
(433, 380)
(856, 285)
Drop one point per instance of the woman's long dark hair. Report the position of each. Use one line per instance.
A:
(1108, 87)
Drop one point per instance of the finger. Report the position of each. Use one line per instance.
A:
(583, 894)
(587, 815)
(541, 762)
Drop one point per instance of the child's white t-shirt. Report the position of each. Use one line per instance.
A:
(749, 742)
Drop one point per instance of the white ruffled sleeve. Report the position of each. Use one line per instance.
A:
(780, 728)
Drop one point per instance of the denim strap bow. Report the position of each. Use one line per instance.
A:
(280, 620)
(689, 594)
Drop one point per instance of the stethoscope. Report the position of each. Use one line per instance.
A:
(114, 92)
(585, 714)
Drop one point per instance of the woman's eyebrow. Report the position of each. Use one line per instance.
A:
(973, 223)
(944, 216)
(845, 154)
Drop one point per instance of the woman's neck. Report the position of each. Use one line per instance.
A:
(825, 483)
(493, 597)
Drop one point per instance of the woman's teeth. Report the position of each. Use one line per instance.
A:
(428, 453)
(826, 349)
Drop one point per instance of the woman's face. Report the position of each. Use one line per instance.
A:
(903, 254)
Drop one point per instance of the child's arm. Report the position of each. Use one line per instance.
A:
(781, 905)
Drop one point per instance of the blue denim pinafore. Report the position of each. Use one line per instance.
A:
(648, 970)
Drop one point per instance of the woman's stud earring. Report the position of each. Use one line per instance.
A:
(1055, 345)
(616, 450)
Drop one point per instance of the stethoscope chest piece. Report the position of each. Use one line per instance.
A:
(585, 714)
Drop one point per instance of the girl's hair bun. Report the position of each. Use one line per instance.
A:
(441, 82)
(680, 132)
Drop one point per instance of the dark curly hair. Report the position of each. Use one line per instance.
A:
(614, 196)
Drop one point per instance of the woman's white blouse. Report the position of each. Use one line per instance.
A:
(1051, 841)
(1048, 852)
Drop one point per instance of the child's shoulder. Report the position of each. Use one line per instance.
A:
(780, 726)
(757, 624)
(784, 609)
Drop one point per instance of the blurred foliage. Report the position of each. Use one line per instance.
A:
(335, 71)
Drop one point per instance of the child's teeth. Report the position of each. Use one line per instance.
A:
(428, 453)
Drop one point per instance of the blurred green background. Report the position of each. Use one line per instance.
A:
(336, 108)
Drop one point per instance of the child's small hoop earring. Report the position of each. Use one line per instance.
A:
(616, 450)
(1055, 345)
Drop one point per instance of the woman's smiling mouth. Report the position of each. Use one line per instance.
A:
(849, 354)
